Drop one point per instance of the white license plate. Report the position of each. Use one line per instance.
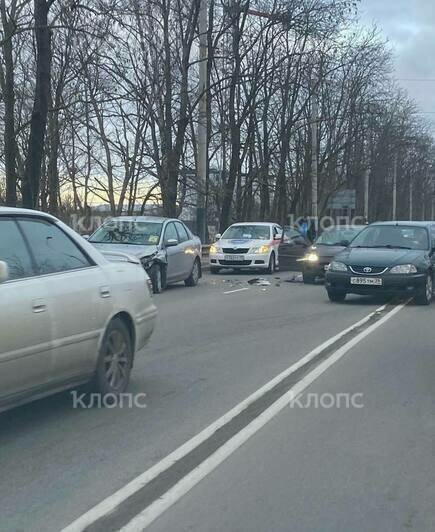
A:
(373, 281)
(234, 257)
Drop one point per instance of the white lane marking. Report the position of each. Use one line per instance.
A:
(110, 503)
(152, 512)
(238, 290)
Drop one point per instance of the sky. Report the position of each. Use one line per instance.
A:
(409, 26)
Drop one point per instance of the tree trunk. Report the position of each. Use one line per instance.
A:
(38, 123)
(10, 143)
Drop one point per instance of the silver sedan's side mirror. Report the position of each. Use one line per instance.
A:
(86, 237)
(171, 243)
(4, 272)
(218, 236)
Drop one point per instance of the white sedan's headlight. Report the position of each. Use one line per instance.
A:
(215, 249)
(404, 268)
(336, 266)
(261, 250)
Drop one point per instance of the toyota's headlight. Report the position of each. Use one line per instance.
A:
(311, 257)
(404, 268)
(336, 266)
(214, 248)
(261, 250)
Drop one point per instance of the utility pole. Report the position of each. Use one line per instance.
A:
(366, 193)
(370, 142)
(202, 123)
(314, 155)
(432, 199)
(411, 194)
(395, 186)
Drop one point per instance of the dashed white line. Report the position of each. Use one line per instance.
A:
(234, 291)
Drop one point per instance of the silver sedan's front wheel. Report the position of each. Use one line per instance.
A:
(195, 275)
(115, 359)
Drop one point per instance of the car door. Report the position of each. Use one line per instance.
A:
(78, 297)
(188, 250)
(293, 247)
(432, 244)
(25, 329)
(174, 254)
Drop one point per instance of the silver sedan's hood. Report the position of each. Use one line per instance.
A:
(129, 249)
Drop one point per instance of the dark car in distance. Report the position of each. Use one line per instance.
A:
(391, 258)
(293, 247)
(333, 240)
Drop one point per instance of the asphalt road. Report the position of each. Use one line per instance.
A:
(369, 468)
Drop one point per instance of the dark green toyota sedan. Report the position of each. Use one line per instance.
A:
(391, 258)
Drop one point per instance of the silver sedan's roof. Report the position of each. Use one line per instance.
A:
(155, 219)
(27, 212)
(268, 224)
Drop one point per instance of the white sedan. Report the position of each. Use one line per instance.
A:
(68, 315)
(247, 246)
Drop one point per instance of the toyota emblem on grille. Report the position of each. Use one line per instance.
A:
(367, 270)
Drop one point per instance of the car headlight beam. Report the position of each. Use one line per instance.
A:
(311, 257)
(215, 249)
(261, 250)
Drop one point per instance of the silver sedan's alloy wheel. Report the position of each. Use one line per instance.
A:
(195, 272)
(158, 281)
(116, 360)
(429, 288)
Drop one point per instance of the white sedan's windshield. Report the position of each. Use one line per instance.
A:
(247, 232)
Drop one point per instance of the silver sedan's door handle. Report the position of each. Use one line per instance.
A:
(105, 292)
(38, 306)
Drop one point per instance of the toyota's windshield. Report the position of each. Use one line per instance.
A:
(392, 236)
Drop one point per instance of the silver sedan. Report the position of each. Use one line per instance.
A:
(68, 315)
(167, 249)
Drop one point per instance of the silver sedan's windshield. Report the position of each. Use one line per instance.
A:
(392, 236)
(124, 232)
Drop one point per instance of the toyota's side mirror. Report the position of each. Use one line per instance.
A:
(4, 272)
(218, 236)
(171, 243)
(344, 243)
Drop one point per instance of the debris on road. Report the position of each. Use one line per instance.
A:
(259, 281)
(296, 278)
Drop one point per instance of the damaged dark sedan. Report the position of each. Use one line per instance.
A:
(167, 249)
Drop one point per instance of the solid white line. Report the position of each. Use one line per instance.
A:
(238, 290)
(114, 500)
(152, 512)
